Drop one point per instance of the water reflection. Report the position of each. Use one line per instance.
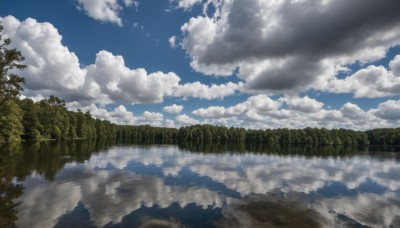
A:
(18, 162)
(94, 184)
(269, 213)
(108, 196)
(306, 150)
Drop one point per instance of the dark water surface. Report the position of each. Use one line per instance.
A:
(99, 184)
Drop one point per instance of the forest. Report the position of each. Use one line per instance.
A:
(50, 119)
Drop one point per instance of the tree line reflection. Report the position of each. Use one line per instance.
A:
(46, 159)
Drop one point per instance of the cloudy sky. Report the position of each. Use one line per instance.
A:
(253, 63)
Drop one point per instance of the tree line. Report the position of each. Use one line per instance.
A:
(285, 136)
(50, 119)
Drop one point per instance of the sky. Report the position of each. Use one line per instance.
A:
(242, 63)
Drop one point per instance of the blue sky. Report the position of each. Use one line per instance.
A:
(253, 64)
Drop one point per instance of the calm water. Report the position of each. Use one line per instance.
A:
(88, 184)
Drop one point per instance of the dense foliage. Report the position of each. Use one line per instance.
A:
(384, 136)
(50, 119)
(10, 59)
(310, 136)
(282, 136)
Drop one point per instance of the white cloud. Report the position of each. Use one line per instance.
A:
(173, 108)
(121, 83)
(394, 65)
(105, 10)
(120, 115)
(187, 4)
(152, 118)
(185, 120)
(260, 103)
(129, 3)
(54, 70)
(370, 82)
(281, 46)
(172, 41)
(304, 104)
(45, 56)
(202, 91)
(210, 112)
(263, 112)
(263, 103)
(352, 111)
(199, 33)
(388, 110)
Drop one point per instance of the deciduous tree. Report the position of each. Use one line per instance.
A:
(10, 60)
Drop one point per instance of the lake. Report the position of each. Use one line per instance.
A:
(104, 184)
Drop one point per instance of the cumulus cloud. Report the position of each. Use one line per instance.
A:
(290, 45)
(45, 56)
(133, 85)
(261, 111)
(388, 110)
(184, 119)
(105, 10)
(210, 112)
(173, 108)
(131, 3)
(261, 103)
(371, 82)
(186, 4)
(54, 70)
(352, 111)
(304, 104)
(152, 118)
(199, 90)
(394, 65)
(120, 115)
(172, 41)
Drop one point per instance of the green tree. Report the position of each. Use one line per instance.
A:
(82, 128)
(54, 117)
(10, 59)
(31, 122)
(11, 127)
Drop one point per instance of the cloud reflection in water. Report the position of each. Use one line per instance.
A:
(110, 186)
